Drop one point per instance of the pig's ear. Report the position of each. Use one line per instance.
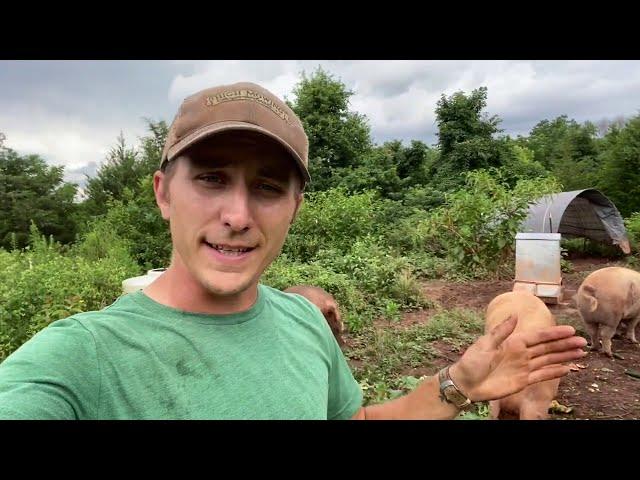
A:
(337, 327)
(332, 320)
(588, 292)
(339, 319)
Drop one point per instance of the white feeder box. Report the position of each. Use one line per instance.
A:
(133, 284)
(538, 265)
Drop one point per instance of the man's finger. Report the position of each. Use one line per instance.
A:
(569, 343)
(502, 331)
(548, 373)
(548, 334)
(554, 358)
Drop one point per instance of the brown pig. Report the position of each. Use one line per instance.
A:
(327, 305)
(606, 297)
(533, 402)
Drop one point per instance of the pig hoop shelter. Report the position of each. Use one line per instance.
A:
(579, 213)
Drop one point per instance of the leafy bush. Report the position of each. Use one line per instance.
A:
(43, 283)
(331, 219)
(376, 270)
(475, 229)
(136, 218)
(633, 230)
(356, 311)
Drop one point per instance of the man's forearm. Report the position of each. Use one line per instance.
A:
(423, 403)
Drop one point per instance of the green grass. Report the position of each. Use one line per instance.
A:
(456, 326)
(383, 355)
(479, 411)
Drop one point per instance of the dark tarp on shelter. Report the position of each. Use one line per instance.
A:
(579, 213)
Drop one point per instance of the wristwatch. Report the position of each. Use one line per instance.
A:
(450, 392)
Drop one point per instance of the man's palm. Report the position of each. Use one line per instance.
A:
(501, 363)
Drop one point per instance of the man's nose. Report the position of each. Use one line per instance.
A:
(236, 211)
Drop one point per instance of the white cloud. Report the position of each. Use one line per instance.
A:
(62, 139)
(277, 76)
(398, 97)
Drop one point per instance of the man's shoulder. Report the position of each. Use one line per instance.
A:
(119, 310)
(290, 300)
(295, 307)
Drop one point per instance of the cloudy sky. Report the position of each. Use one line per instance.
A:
(71, 112)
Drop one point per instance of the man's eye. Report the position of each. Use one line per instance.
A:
(211, 178)
(268, 187)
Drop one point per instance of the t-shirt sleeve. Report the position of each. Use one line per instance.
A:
(54, 375)
(345, 394)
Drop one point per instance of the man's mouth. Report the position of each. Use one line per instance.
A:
(229, 250)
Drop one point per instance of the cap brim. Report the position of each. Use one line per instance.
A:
(209, 130)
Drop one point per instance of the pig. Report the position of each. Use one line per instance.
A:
(534, 401)
(327, 305)
(605, 298)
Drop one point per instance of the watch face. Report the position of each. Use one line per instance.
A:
(449, 392)
(454, 396)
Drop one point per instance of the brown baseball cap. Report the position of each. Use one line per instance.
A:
(240, 106)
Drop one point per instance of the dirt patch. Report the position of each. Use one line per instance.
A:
(602, 390)
(476, 295)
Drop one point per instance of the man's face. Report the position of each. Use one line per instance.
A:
(230, 202)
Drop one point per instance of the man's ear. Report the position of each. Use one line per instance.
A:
(161, 191)
(299, 200)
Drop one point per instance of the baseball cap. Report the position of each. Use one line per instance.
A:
(238, 106)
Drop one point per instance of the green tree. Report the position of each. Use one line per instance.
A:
(413, 164)
(567, 149)
(151, 146)
(620, 177)
(393, 170)
(520, 165)
(378, 171)
(119, 171)
(136, 219)
(546, 139)
(338, 138)
(466, 138)
(460, 119)
(32, 191)
(124, 168)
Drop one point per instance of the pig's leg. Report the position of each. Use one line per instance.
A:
(620, 330)
(631, 328)
(607, 332)
(535, 410)
(592, 330)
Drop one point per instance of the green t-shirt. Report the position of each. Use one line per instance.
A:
(138, 359)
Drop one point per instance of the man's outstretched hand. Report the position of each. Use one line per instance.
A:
(500, 363)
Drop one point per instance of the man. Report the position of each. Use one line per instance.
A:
(206, 339)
